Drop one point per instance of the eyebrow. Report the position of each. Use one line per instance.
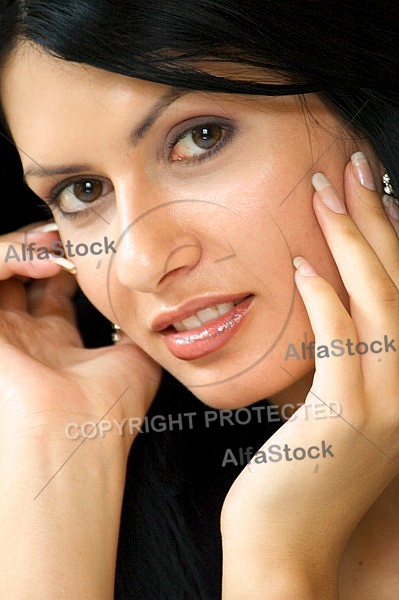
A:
(171, 96)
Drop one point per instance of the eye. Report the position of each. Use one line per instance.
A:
(77, 195)
(200, 141)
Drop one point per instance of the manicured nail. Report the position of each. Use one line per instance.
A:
(391, 205)
(304, 267)
(45, 228)
(327, 193)
(363, 170)
(65, 264)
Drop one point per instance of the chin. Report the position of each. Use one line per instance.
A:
(231, 393)
(223, 390)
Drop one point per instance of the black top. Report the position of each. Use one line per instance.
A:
(170, 545)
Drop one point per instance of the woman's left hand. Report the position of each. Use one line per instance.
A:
(286, 523)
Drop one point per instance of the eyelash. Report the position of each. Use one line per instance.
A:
(227, 128)
(228, 132)
(53, 201)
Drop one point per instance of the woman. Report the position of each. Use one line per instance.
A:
(192, 156)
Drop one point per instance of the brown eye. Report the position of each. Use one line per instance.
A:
(87, 191)
(76, 196)
(207, 137)
(199, 142)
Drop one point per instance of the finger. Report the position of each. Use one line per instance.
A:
(332, 327)
(19, 256)
(38, 227)
(373, 294)
(367, 210)
(374, 297)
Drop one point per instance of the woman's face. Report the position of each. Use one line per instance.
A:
(207, 198)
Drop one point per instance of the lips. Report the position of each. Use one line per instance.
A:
(209, 336)
(167, 318)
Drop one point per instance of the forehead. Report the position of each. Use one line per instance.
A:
(30, 74)
(51, 104)
(47, 100)
(30, 66)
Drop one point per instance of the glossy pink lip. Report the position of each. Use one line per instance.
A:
(167, 318)
(213, 335)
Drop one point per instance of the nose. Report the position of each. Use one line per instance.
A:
(156, 245)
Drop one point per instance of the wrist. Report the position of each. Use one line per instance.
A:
(252, 575)
(62, 512)
(266, 566)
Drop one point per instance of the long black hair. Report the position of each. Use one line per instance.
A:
(345, 51)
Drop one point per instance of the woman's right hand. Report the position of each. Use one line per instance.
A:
(60, 503)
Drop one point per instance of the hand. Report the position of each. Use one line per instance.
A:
(39, 339)
(281, 520)
(60, 503)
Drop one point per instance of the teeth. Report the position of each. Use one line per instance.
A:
(207, 314)
(191, 322)
(224, 308)
(203, 316)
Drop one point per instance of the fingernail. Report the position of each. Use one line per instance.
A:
(327, 193)
(391, 206)
(65, 264)
(45, 228)
(363, 170)
(304, 267)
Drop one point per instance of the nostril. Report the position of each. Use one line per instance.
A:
(182, 256)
